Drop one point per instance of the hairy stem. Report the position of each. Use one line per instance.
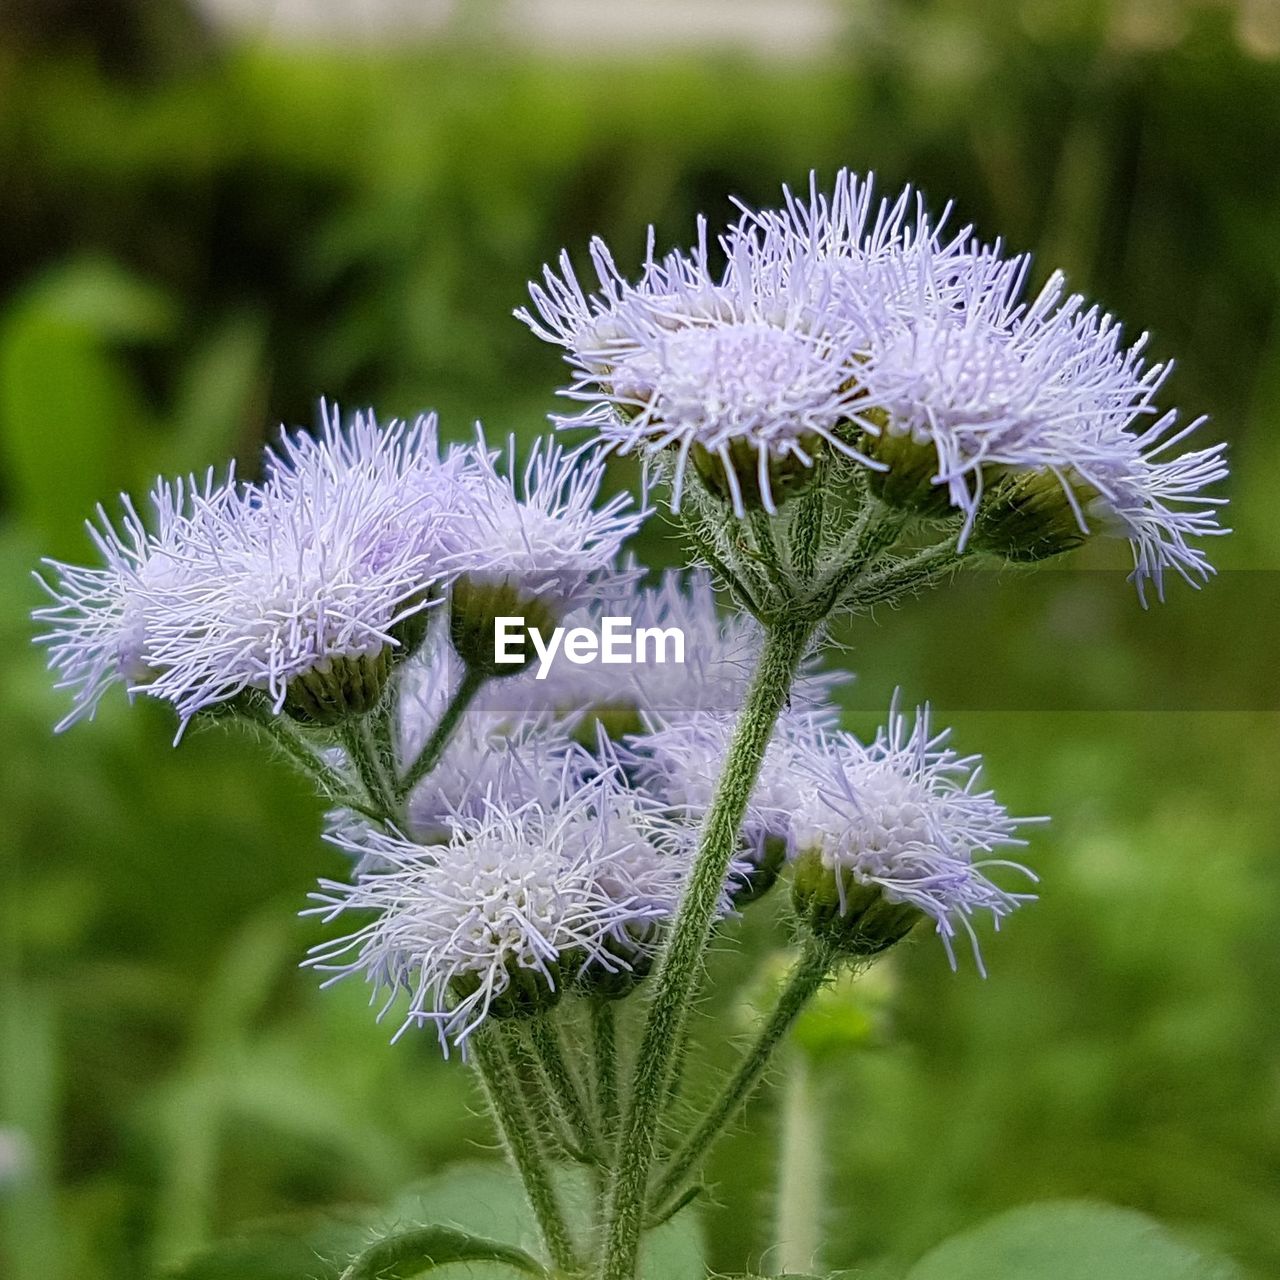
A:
(808, 974)
(502, 1092)
(604, 1041)
(565, 1095)
(359, 745)
(472, 682)
(903, 578)
(681, 963)
(332, 785)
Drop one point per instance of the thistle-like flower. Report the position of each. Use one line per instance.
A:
(687, 655)
(724, 368)
(533, 544)
(100, 622)
(309, 592)
(518, 902)
(892, 831)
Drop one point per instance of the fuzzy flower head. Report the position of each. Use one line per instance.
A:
(1031, 417)
(904, 818)
(99, 626)
(690, 656)
(747, 370)
(520, 901)
(723, 368)
(303, 596)
(543, 528)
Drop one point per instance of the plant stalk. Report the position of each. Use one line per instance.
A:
(681, 963)
(503, 1094)
(807, 975)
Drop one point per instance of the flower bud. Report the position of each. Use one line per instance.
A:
(855, 917)
(634, 954)
(528, 992)
(786, 474)
(476, 603)
(337, 688)
(1025, 516)
(910, 463)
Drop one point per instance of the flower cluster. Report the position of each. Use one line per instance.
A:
(900, 819)
(840, 325)
(303, 590)
(515, 833)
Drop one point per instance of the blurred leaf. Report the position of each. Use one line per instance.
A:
(71, 417)
(414, 1253)
(1069, 1241)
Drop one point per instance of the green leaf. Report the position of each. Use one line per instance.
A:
(413, 1253)
(1069, 1240)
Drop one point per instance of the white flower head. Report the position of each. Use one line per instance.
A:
(341, 545)
(724, 365)
(542, 529)
(489, 759)
(99, 623)
(520, 899)
(687, 655)
(905, 814)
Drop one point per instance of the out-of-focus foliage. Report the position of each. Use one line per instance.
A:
(191, 256)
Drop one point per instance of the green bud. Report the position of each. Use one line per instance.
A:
(411, 631)
(867, 924)
(476, 603)
(787, 475)
(338, 688)
(527, 994)
(1025, 516)
(907, 484)
(635, 965)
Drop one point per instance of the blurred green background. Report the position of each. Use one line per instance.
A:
(201, 233)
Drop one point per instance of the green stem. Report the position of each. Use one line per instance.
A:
(876, 530)
(553, 1140)
(808, 974)
(333, 786)
(806, 538)
(360, 747)
(681, 963)
(604, 1040)
(904, 577)
(502, 1092)
(565, 1094)
(472, 682)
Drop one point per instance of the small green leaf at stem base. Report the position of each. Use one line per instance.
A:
(414, 1253)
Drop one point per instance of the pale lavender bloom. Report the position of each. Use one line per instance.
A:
(542, 529)
(691, 358)
(99, 626)
(954, 355)
(489, 759)
(750, 365)
(994, 385)
(905, 813)
(540, 890)
(340, 546)
(720, 650)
